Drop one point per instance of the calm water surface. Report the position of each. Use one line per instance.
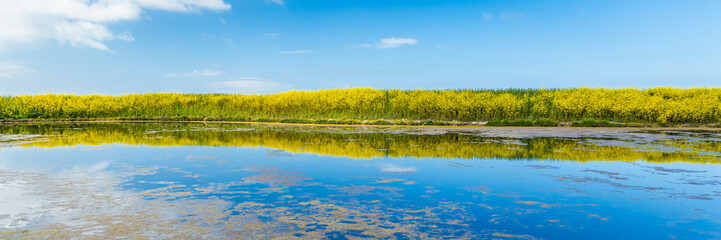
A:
(189, 181)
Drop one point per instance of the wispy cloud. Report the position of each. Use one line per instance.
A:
(504, 15)
(83, 23)
(487, 16)
(279, 2)
(295, 52)
(228, 42)
(272, 35)
(396, 42)
(8, 70)
(251, 85)
(391, 43)
(512, 15)
(195, 74)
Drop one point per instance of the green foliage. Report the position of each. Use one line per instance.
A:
(527, 123)
(517, 123)
(327, 121)
(595, 123)
(382, 122)
(295, 121)
(545, 123)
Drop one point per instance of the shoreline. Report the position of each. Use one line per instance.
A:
(464, 125)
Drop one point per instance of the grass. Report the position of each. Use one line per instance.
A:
(524, 123)
(595, 123)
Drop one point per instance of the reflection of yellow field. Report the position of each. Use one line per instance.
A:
(365, 145)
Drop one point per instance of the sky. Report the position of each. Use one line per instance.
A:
(266, 46)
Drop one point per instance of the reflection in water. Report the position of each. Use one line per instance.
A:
(369, 143)
(249, 182)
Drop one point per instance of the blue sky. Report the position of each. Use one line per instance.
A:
(263, 46)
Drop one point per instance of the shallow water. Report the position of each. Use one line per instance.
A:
(169, 181)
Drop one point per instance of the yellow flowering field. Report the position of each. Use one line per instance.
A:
(656, 105)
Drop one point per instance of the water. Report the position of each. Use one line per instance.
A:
(171, 181)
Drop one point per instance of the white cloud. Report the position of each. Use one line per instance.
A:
(195, 73)
(396, 42)
(251, 85)
(272, 35)
(279, 2)
(82, 23)
(295, 52)
(391, 43)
